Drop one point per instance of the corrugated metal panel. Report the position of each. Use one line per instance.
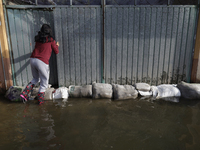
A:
(24, 25)
(78, 30)
(142, 43)
(149, 44)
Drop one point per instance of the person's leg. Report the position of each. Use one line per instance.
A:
(34, 70)
(31, 84)
(26, 91)
(43, 70)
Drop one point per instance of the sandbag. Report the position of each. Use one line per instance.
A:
(61, 93)
(101, 90)
(167, 90)
(154, 91)
(171, 99)
(124, 92)
(142, 86)
(13, 93)
(80, 91)
(145, 93)
(189, 90)
(49, 94)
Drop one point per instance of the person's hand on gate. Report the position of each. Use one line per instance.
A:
(57, 43)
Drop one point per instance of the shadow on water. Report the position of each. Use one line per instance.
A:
(100, 124)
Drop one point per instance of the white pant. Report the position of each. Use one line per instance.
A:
(40, 72)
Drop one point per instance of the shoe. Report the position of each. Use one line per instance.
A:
(26, 91)
(41, 98)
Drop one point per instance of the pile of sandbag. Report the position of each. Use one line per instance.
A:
(143, 89)
(167, 92)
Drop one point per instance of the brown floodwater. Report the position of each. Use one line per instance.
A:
(103, 124)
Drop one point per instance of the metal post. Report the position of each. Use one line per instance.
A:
(36, 2)
(4, 74)
(135, 2)
(168, 2)
(70, 2)
(103, 4)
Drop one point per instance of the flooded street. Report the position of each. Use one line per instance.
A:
(103, 124)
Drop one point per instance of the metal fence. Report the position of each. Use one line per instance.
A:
(149, 44)
(109, 43)
(23, 26)
(80, 34)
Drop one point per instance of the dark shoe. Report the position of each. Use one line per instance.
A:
(26, 91)
(41, 98)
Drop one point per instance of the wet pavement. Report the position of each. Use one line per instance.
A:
(103, 124)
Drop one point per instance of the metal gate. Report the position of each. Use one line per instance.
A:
(23, 26)
(79, 31)
(152, 44)
(111, 44)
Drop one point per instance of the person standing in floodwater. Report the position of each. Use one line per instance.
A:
(39, 61)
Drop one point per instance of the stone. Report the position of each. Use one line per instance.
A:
(80, 91)
(142, 86)
(102, 90)
(124, 92)
(189, 90)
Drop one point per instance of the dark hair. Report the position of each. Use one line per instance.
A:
(44, 34)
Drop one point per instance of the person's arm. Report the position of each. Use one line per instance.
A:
(54, 46)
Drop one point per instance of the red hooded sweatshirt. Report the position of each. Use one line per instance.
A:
(43, 51)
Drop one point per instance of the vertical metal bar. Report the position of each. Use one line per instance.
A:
(36, 2)
(135, 2)
(168, 2)
(103, 3)
(4, 74)
(70, 2)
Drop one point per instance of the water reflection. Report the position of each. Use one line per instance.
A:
(100, 124)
